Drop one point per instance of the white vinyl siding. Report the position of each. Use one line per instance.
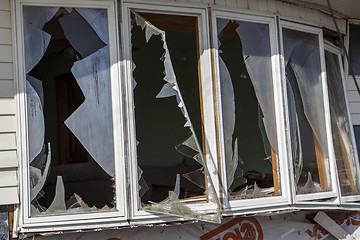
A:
(8, 156)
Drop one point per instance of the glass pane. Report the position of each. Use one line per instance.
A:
(168, 114)
(354, 48)
(343, 145)
(69, 110)
(248, 109)
(306, 112)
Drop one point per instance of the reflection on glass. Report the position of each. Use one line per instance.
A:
(69, 110)
(306, 112)
(343, 145)
(248, 109)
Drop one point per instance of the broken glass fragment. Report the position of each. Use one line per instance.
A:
(97, 19)
(247, 105)
(36, 43)
(307, 116)
(190, 148)
(39, 184)
(340, 126)
(58, 204)
(95, 132)
(36, 122)
(76, 29)
(38, 16)
(37, 86)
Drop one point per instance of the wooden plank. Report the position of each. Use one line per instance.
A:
(7, 106)
(8, 178)
(6, 54)
(7, 124)
(295, 10)
(275, 171)
(9, 195)
(288, 10)
(6, 71)
(253, 5)
(280, 8)
(5, 36)
(231, 3)
(7, 88)
(220, 2)
(262, 5)
(5, 19)
(8, 159)
(5, 5)
(320, 164)
(271, 5)
(7, 141)
(242, 4)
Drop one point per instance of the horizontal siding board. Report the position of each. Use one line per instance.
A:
(8, 159)
(7, 141)
(7, 124)
(9, 195)
(355, 107)
(7, 106)
(353, 96)
(253, 5)
(355, 118)
(6, 55)
(6, 71)
(5, 19)
(5, 5)
(5, 36)
(351, 84)
(8, 178)
(7, 88)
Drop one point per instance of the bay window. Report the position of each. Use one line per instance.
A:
(176, 113)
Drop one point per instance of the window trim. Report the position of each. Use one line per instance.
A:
(140, 216)
(68, 221)
(328, 46)
(247, 205)
(300, 198)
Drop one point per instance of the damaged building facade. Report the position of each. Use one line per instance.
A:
(204, 119)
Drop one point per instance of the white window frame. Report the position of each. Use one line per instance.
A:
(337, 51)
(251, 205)
(302, 199)
(114, 218)
(140, 216)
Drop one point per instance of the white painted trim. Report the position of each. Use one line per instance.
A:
(337, 51)
(139, 216)
(256, 203)
(331, 164)
(69, 221)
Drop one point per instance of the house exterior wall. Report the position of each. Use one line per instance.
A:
(8, 106)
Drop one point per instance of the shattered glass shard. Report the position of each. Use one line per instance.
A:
(76, 29)
(36, 43)
(93, 74)
(36, 122)
(58, 204)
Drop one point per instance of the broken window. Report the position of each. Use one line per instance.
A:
(307, 120)
(248, 110)
(346, 162)
(69, 110)
(169, 117)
